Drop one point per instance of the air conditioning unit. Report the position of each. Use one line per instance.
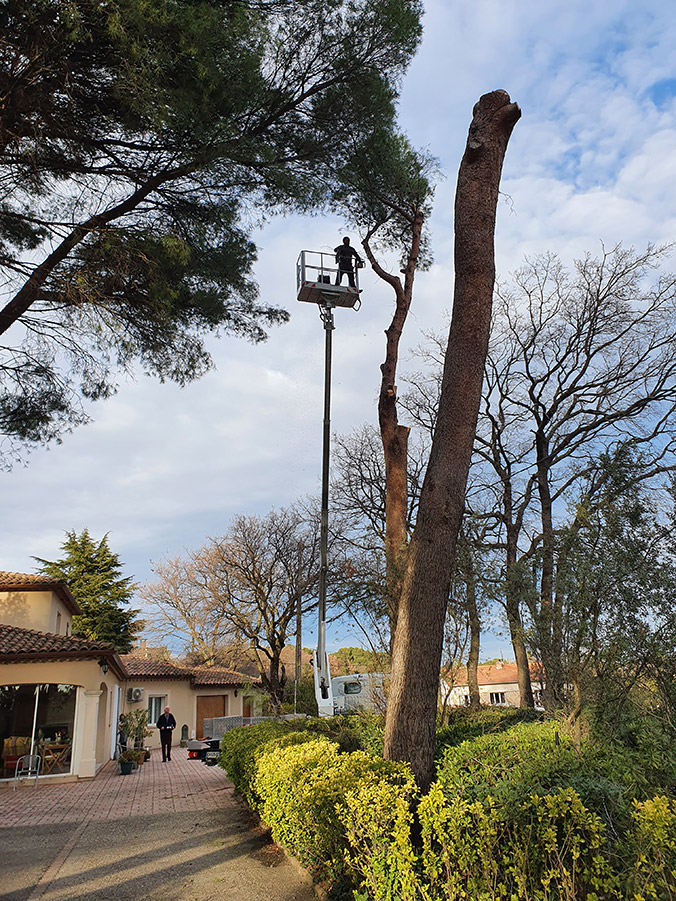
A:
(135, 694)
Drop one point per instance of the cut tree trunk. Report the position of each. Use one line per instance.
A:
(412, 707)
(395, 436)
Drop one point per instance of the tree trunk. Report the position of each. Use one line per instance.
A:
(395, 447)
(513, 592)
(474, 638)
(520, 653)
(467, 571)
(412, 707)
(395, 436)
(544, 620)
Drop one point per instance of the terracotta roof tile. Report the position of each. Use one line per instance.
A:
(149, 668)
(494, 674)
(8, 580)
(16, 641)
(213, 675)
(142, 668)
(26, 582)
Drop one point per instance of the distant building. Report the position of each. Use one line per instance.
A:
(498, 685)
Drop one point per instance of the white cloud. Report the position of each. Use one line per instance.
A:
(593, 158)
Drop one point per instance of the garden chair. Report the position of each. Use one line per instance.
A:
(28, 765)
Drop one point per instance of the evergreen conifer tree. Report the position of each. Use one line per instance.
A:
(93, 574)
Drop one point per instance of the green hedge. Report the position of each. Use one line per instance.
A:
(548, 848)
(505, 820)
(240, 749)
(466, 723)
(305, 791)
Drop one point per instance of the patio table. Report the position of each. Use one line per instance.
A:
(54, 757)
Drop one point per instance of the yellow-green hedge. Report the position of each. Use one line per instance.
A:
(349, 817)
(304, 791)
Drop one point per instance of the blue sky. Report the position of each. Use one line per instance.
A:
(592, 160)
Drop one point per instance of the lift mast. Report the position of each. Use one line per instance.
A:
(315, 284)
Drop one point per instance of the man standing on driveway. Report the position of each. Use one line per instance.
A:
(166, 724)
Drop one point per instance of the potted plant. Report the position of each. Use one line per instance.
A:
(127, 759)
(136, 727)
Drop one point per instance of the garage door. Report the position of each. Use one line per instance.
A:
(208, 706)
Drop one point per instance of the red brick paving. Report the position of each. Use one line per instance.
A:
(156, 787)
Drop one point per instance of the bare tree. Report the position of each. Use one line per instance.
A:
(246, 587)
(411, 716)
(388, 189)
(579, 364)
(359, 498)
(179, 604)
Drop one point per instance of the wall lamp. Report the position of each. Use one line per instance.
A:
(103, 663)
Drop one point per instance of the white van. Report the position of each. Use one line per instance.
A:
(363, 691)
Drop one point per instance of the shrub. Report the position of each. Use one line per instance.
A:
(304, 791)
(241, 748)
(460, 841)
(509, 766)
(554, 850)
(466, 723)
(363, 731)
(514, 814)
(653, 876)
(378, 819)
(538, 758)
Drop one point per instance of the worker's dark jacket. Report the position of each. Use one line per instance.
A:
(344, 254)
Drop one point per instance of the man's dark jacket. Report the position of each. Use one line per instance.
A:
(166, 721)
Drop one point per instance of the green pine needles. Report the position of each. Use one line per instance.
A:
(93, 575)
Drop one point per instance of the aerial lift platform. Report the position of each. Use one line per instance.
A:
(317, 281)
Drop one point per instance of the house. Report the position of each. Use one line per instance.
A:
(192, 693)
(498, 685)
(60, 692)
(63, 695)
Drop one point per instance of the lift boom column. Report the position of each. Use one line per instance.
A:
(315, 274)
(322, 673)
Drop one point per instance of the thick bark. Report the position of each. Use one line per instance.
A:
(474, 638)
(520, 653)
(545, 616)
(412, 707)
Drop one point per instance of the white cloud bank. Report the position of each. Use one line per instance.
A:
(593, 159)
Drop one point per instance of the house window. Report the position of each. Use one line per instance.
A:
(537, 697)
(466, 700)
(46, 720)
(352, 688)
(498, 698)
(156, 705)
(58, 622)
(67, 629)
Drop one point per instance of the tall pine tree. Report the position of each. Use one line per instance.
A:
(93, 574)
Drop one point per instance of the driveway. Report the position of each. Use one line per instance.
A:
(172, 831)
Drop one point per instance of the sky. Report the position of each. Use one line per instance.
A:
(591, 162)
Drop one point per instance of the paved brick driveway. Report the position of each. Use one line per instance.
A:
(169, 831)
